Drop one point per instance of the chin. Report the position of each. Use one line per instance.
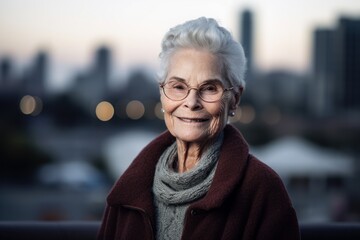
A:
(193, 136)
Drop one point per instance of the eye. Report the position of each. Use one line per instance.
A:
(177, 85)
(209, 88)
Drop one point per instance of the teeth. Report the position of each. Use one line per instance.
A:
(193, 120)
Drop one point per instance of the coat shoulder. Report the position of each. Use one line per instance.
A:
(262, 178)
(260, 170)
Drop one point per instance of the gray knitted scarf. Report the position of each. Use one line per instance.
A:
(175, 191)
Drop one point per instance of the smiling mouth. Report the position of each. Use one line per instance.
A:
(193, 120)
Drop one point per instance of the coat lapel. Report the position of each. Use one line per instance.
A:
(231, 168)
(134, 187)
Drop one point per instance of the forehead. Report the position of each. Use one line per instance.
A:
(194, 66)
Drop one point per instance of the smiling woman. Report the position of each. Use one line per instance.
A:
(198, 180)
(194, 120)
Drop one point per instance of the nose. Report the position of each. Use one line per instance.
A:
(192, 101)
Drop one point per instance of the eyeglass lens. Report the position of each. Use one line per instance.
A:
(177, 90)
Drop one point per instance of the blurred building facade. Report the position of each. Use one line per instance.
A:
(37, 76)
(336, 71)
(322, 100)
(348, 37)
(247, 37)
(6, 73)
(92, 86)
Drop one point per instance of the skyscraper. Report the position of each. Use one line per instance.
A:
(348, 62)
(336, 68)
(92, 86)
(5, 72)
(322, 91)
(246, 36)
(36, 76)
(102, 65)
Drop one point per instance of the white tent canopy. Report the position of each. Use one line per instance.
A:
(121, 149)
(290, 156)
(293, 156)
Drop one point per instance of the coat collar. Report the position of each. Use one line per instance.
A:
(230, 169)
(134, 188)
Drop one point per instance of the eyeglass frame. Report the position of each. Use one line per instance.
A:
(162, 85)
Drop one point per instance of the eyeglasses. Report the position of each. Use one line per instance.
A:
(208, 92)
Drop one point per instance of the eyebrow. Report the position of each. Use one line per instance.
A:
(212, 80)
(177, 79)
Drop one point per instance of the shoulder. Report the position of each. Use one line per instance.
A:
(138, 177)
(258, 169)
(236, 153)
(263, 180)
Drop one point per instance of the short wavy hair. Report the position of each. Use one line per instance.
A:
(206, 34)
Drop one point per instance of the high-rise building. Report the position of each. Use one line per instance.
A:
(36, 76)
(92, 86)
(5, 72)
(336, 68)
(348, 62)
(102, 65)
(246, 36)
(322, 90)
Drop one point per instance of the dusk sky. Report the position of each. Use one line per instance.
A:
(70, 30)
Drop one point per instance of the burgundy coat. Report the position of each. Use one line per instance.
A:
(247, 200)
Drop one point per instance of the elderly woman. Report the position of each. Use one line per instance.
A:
(198, 180)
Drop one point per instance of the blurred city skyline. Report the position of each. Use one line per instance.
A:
(301, 103)
(70, 30)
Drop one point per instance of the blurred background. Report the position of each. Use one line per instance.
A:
(79, 98)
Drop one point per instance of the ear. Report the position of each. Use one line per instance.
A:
(236, 99)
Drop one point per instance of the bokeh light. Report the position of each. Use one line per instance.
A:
(31, 105)
(104, 111)
(247, 114)
(135, 109)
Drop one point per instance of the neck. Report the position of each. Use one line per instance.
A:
(189, 154)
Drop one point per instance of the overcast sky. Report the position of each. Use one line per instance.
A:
(70, 30)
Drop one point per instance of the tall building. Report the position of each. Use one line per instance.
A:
(36, 76)
(92, 86)
(336, 68)
(246, 36)
(348, 62)
(101, 68)
(5, 72)
(99, 75)
(322, 91)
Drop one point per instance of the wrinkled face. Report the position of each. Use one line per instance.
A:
(192, 119)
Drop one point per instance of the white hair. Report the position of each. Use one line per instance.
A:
(206, 34)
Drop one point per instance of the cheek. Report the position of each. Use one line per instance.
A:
(221, 109)
(168, 108)
(167, 105)
(220, 115)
